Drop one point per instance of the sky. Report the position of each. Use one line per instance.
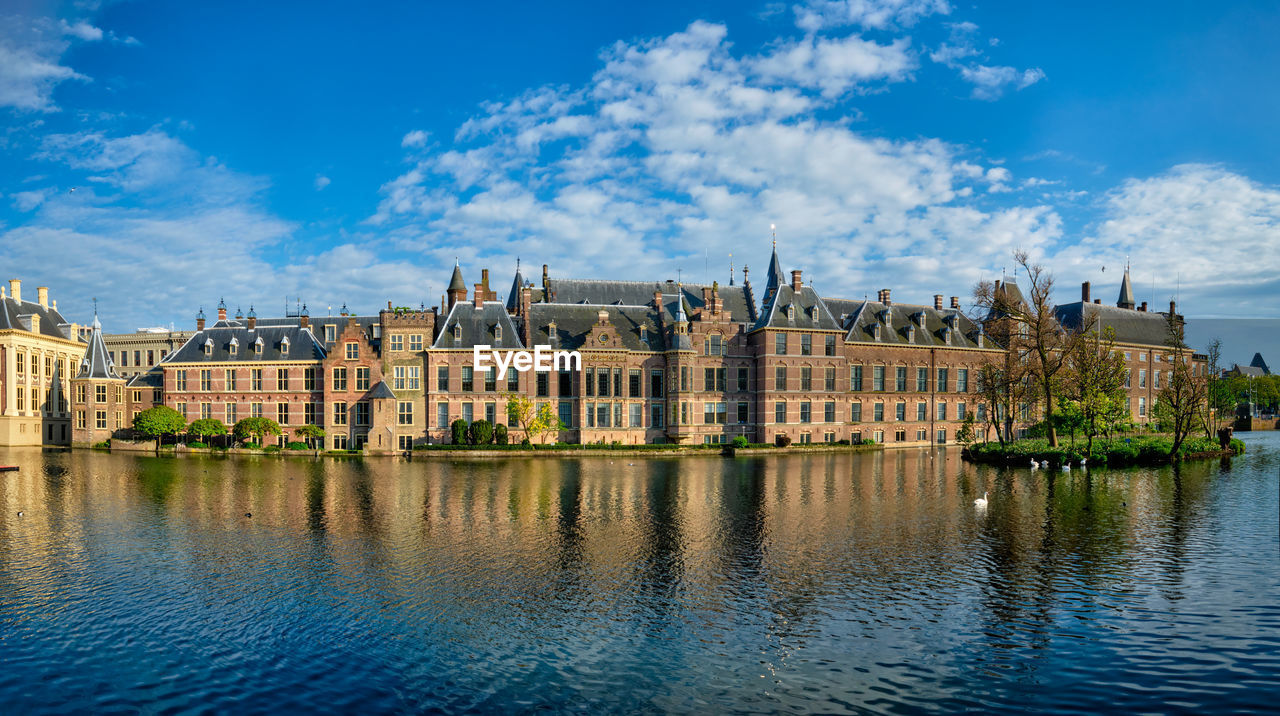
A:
(160, 156)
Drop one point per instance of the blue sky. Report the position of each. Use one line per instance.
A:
(342, 155)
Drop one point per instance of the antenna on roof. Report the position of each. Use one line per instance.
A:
(773, 228)
(730, 268)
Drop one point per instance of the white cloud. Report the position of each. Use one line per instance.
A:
(416, 138)
(990, 83)
(27, 200)
(676, 146)
(1215, 229)
(878, 14)
(29, 64)
(321, 182)
(81, 30)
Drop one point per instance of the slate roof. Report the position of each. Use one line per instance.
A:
(810, 313)
(1258, 362)
(517, 283)
(456, 283)
(1248, 371)
(775, 277)
(478, 326)
(1006, 290)
(302, 345)
(381, 390)
(1126, 292)
(16, 315)
(736, 299)
(1139, 327)
(97, 360)
(904, 325)
(575, 321)
(153, 378)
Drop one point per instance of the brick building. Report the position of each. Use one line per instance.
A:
(39, 352)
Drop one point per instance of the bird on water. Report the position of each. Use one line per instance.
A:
(981, 501)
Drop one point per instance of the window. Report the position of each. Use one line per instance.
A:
(922, 380)
(855, 412)
(206, 380)
(181, 379)
(877, 378)
(282, 413)
(255, 379)
(1142, 407)
(182, 410)
(943, 379)
(362, 378)
(922, 411)
(744, 411)
(330, 333)
(468, 379)
(962, 380)
(1128, 378)
(100, 420)
(655, 385)
(513, 380)
(564, 382)
(780, 344)
(1142, 378)
(229, 412)
(340, 379)
(353, 351)
(855, 378)
(255, 410)
(415, 341)
(633, 383)
(442, 378)
(80, 420)
(230, 379)
(137, 358)
(308, 413)
(942, 411)
(602, 382)
(339, 413)
(151, 357)
(780, 377)
(655, 417)
(830, 345)
(617, 382)
(442, 415)
(829, 379)
(542, 387)
(714, 345)
(404, 412)
(829, 412)
(900, 411)
(743, 379)
(491, 413)
(565, 413)
(282, 379)
(468, 413)
(635, 415)
(900, 381)
(713, 413)
(396, 342)
(806, 378)
(206, 411)
(960, 411)
(878, 413)
(99, 395)
(806, 345)
(341, 441)
(602, 415)
(1155, 380)
(780, 412)
(806, 415)
(899, 436)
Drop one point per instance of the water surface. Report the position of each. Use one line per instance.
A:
(821, 582)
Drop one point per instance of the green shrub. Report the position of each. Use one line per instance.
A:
(103, 444)
(481, 432)
(252, 446)
(782, 440)
(500, 435)
(197, 444)
(271, 448)
(296, 446)
(458, 430)
(739, 442)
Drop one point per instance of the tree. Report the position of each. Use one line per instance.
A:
(546, 423)
(521, 411)
(965, 435)
(258, 428)
(1217, 399)
(1093, 385)
(1003, 388)
(500, 434)
(458, 430)
(481, 432)
(207, 428)
(1183, 395)
(159, 421)
(1034, 334)
(310, 434)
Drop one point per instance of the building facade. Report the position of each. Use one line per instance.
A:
(39, 353)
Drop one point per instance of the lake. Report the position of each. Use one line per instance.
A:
(801, 583)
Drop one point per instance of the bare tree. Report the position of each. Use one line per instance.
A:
(1035, 337)
(1094, 382)
(1183, 396)
(1217, 397)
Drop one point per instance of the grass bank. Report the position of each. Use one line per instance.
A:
(1117, 452)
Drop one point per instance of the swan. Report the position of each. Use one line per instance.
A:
(1035, 465)
(1084, 461)
(1066, 467)
(1044, 464)
(981, 501)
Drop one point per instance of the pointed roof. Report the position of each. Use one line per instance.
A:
(97, 361)
(513, 298)
(1126, 292)
(456, 283)
(776, 278)
(1258, 362)
(380, 391)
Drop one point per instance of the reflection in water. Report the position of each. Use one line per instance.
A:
(819, 582)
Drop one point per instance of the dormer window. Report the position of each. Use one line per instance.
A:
(257, 346)
(284, 346)
(208, 346)
(457, 332)
(644, 333)
(946, 334)
(911, 334)
(791, 312)
(497, 333)
(233, 346)
(875, 331)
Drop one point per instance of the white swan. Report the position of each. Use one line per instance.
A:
(1066, 467)
(1035, 465)
(981, 501)
(1044, 464)
(1084, 461)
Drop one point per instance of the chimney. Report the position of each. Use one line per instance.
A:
(657, 299)
(477, 299)
(937, 302)
(222, 311)
(200, 320)
(526, 313)
(1173, 309)
(745, 280)
(305, 319)
(42, 295)
(15, 289)
(252, 321)
(955, 302)
(1097, 301)
(1143, 308)
(544, 282)
(708, 301)
(795, 280)
(602, 317)
(884, 297)
(484, 281)
(1084, 292)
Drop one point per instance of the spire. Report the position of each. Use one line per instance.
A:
(730, 269)
(97, 361)
(456, 283)
(1126, 291)
(513, 296)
